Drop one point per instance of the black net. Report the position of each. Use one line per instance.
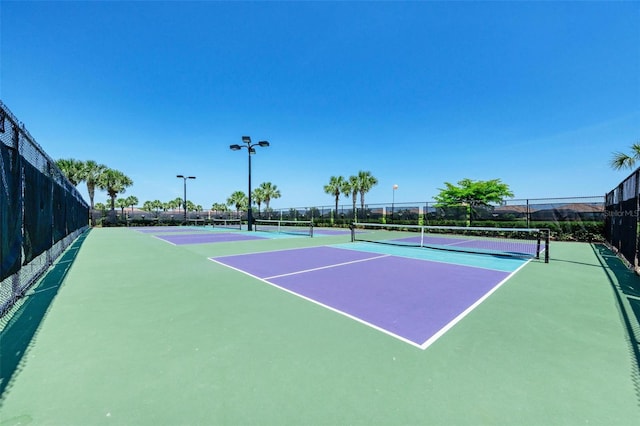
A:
(37, 213)
(59, 213)
(621, 224)
(293, 227)
(41, 213)
(515, 242)
(11, 209)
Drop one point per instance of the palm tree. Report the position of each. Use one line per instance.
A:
(239, 200)
(351, 188)
(72, 169)
(258, 198)
(122, 204)
(270, 191)
(157, 204)
(366, 181)
(114, 182)
(621, 160)
(219, 207)
(334, 187)
(177, 203)
(132, 201)
(148, 206)
(90, 173)
(172, 204)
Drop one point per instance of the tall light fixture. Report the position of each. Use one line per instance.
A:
(184, 200)
(250, 149)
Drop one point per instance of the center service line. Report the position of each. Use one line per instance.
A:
(327, 267)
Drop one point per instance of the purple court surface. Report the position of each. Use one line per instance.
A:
(411, 299)
(205, 238)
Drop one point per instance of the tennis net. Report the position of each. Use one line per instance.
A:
(227, 223)
(516, 242)
(294, 227)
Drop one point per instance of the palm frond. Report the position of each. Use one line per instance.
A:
(621, 160)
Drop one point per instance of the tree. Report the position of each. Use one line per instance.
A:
(90, 174)
(351, 188)
(270, 191)
(177, 203)
(219, 207)
(334, 188)
(621, 160)
(173, 204)
(122, 203)
(239, 200)
(366, 181)
(157, 205)
(470, 193)
(191, 206)
(131, 201)
(72, 169)
(257, 197)
(114, 182)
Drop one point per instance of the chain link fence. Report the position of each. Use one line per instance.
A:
(621, 218)
(42, 213)
(569, 218)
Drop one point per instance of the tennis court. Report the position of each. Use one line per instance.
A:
(128, 329)
(406, 296)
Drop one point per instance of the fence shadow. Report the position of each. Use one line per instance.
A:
(626, 287)
(20, 326)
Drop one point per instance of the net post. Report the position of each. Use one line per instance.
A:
(352, 227)
(547, 238)
(311, 230)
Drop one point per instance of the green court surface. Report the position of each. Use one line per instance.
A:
(129, 330)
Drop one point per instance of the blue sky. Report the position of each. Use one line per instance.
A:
(537, 94)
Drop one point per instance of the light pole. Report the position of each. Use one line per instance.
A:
(250, 149)
(393, 200)
(184, 202)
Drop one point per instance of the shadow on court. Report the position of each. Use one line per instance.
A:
(22, 325)
(626, 288)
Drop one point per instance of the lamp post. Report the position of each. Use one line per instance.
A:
(393, 200)
(250, 149)
(184, 200)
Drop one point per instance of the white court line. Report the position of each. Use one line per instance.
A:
(332, 309)
(328, 266)
(458, 253)
(162, 239)
(431, 340)
(268, 251)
